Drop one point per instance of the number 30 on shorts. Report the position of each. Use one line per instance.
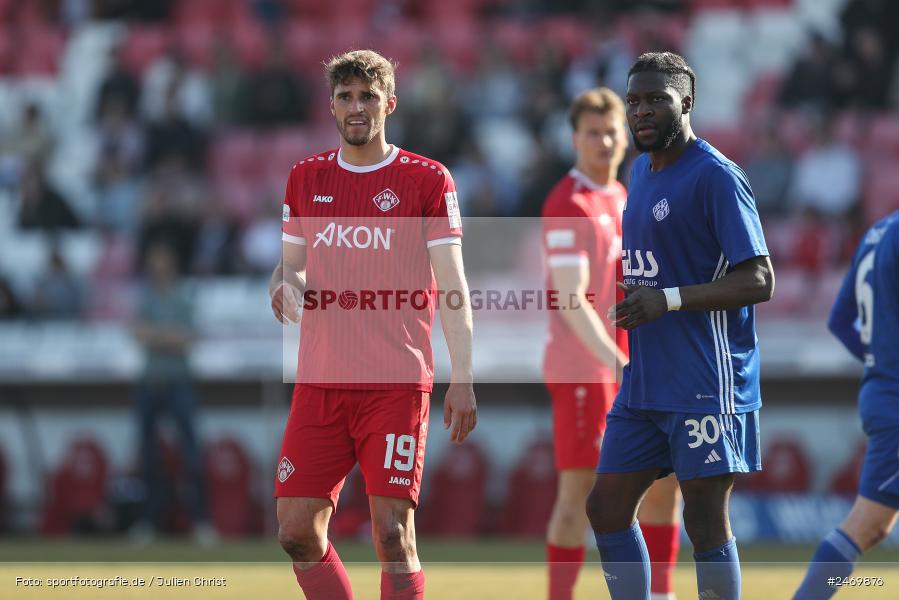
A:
(706, 431)
(404, 447)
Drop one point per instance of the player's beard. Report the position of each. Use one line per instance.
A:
(664, 140)
(363, 137)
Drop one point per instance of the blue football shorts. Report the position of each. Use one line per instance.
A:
(691, 445)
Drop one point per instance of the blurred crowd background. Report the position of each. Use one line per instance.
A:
(143, 142)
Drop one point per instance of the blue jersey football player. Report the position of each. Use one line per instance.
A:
(865, 318)
(695, 262)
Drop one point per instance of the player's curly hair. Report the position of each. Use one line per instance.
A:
(682, 77)
(367, 65)
(601, 100)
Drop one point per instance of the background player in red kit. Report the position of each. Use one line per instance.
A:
(582, 245)
(366, 216)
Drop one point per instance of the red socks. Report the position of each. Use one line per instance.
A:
(403, 586)
(663, 542)
(564, 566)
(327, 580)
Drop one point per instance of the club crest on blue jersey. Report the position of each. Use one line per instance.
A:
(661, 210)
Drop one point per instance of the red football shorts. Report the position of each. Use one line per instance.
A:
(329, 431)
(579, 420)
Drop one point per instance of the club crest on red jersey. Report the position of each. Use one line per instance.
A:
(386, 200)
(285, 469)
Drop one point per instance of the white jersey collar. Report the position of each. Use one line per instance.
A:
(368, 168)
(582, 178)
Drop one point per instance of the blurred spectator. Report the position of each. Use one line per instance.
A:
(770, 171)
(258, 246)
(10, 307)
(41, 206)
(171, 86)
(217, 251)
(31, 141)
(605, 63)
(274, 94)
(862, 77)
(173, 199)
(810, 82)
(58, 294)
(225, 80)
(495, 89)
(476, 191)
(164, 328)
(174, 135)
(119, 87)
(827, 178)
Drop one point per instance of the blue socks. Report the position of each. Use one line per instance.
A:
(625, 563)
(718, 572)
(835, 557)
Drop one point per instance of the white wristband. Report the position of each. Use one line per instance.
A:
(672, 298)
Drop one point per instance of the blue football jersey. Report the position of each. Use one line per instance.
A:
(865, 316)
(687, 224)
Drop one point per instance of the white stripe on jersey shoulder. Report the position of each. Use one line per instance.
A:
(368, 168)
(454, 239)
(588, 183)
(567, 260)
(293, 239)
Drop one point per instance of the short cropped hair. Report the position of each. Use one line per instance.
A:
(682, 77)
(367, 65)
(600, 100)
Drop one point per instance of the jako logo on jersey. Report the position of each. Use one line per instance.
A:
(386, 200)
(400, 480)
(354, 236)
(661, 210)
(640, 268)
(326, 199)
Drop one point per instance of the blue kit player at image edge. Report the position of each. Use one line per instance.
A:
(865, 318)
(694, 373)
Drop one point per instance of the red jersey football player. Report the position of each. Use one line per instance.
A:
(370, 231)
(584, 355)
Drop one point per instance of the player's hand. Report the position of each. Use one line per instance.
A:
(640, 306)
(460, 411)
(286, 303)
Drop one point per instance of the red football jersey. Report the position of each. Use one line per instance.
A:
(582, 223)
(370, 291)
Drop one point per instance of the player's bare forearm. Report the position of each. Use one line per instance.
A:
(751, 282)
(460, 411)
(288, 283)
(571, 283)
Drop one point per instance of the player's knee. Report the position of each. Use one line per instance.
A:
(302, 544)
(604, 515)
(874, 534)
(394, 539)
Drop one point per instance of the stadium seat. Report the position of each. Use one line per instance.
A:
(197, 42)
(731, 141)
(569, 34)
(38, 51)
(845, 480)
(236, 154)
(881, 195)
(787, 470)
(454, 505)
(531, 492)
(250, 43)
(883, 137)
(143, 44)
(228, 477)
(516, 39)
(77, 489)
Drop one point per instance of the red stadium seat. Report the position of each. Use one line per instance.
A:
(77, 489)
(144, 44)
(732, 142)
(236, 154)
(568, 34)
(787, 470)
(845, 481)
(197, 43)
(228, 476)
(881, 196)
(250, 43)
(38, 51)
(516, 39)
(459, 41)
(531, 492)
(883, 137)
(454, 505)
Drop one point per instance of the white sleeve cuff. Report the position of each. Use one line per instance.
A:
(443, 241)
(293, 239)
(567, 260)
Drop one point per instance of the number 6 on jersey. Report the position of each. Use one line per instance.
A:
(404, 446)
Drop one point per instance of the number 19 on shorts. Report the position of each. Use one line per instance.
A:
(402, 447)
